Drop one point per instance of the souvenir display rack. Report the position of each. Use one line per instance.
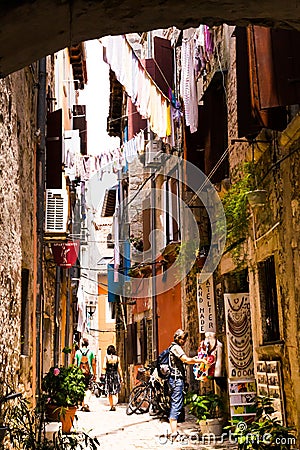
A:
(241, 397)
(269, 384)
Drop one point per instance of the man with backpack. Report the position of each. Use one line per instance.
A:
(176, 377)
(85, 360)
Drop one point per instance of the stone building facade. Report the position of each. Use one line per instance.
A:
(266, 267)
(18, 222)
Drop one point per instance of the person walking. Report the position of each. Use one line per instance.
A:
(178, 359)
(113, 376)
(85, 360)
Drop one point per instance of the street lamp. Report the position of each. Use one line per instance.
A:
(90, 309)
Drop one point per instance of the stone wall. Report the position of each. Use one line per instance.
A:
(17, 219)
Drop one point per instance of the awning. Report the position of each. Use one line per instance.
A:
(109, 203)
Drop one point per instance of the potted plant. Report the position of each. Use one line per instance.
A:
(27, 430)
(208, 409)
(64, 390)
(258, 197)
(265, 431)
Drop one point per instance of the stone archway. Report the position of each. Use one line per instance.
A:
(31, 29)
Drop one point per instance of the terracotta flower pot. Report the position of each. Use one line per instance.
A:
(211, 426)
(52, 413)
(65, 415)
(67, 418)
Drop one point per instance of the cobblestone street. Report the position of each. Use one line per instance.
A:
(117, 430)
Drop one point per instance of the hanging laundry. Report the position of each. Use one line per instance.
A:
(81, 324)
(144, 93)
(188, 87)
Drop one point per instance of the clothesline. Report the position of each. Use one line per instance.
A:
(85, 166)
(148, 99)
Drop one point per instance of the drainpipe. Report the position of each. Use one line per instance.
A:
(153, 257)
(68, 312)
(56, 317)
(40, 176)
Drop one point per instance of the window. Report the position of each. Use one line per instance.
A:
(111, 311)
(109, 240)
(268, 300)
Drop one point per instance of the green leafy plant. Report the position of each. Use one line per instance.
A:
(25, 426)
(75, 441)
(26, 430)
(236, 210)
(264, 431)
(209, 406)
(64, 386)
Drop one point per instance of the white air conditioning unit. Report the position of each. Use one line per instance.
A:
(57, 206)
(153, 153)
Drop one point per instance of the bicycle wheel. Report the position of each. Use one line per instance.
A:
(146, 402)
(136, 399)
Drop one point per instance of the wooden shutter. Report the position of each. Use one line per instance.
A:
(54, 150)
(253, 88)
(163, 55)
(134, 342)
(276, 54)
(135, 120)
(129, 344)
(247, 122)
(143, 337)
(161, 66)
(80, 123)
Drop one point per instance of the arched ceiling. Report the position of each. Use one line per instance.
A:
(31, 29)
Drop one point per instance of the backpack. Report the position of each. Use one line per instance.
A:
(84, 364)
(163, 366)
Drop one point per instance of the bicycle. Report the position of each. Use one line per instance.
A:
(150, 395)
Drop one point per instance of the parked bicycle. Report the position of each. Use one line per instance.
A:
(150, 395)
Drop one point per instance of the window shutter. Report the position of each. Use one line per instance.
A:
(134, 342)
(80, 123)
(253, 88)
(143, 338)
(161, 66)
(278, 67)
(129, 344)
(54, 150)
(135, 120)
(163, 55)
(247, 123)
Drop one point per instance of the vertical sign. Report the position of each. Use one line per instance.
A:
(206, 305)
(239, 336)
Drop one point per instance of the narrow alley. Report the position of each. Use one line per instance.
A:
(115, 429)
(150, 223)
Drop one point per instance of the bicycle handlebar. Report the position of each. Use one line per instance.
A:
(10, 396)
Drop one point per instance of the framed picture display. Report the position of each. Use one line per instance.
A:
(269, 384)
